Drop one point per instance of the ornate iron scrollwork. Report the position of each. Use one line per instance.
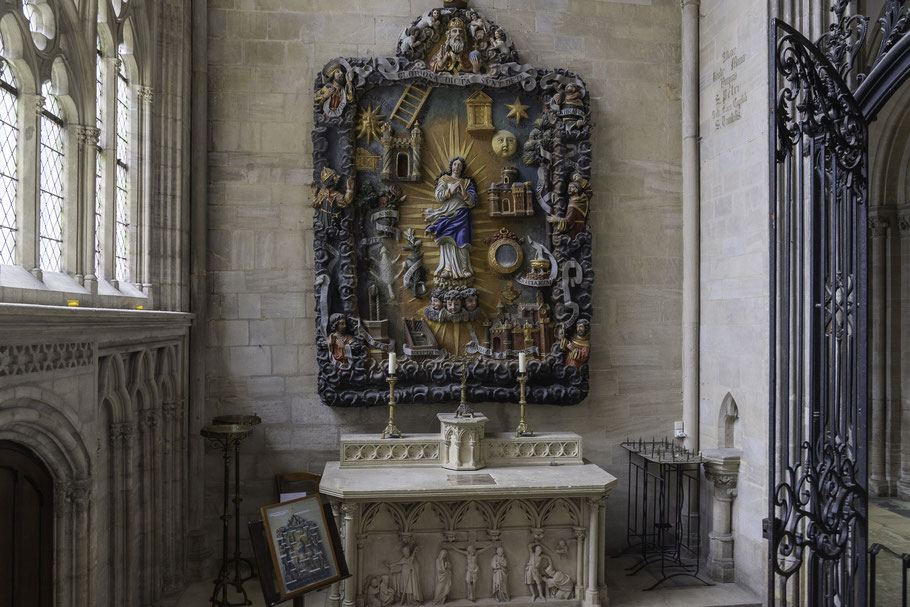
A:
(817, 388)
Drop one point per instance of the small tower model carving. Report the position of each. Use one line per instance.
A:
(401, 155)
(509, 198)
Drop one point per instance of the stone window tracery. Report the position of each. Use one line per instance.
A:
(99, 161)
(52, 217)
(51, 184)
(9, 173)
(122, 203)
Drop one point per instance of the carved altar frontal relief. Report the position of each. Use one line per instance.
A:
(450, 202)
(502, 550)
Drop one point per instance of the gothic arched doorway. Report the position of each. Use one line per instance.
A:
(26, 528)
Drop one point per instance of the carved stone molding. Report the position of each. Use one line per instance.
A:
(878, 226)
(558, 448)
(411, 451)
(501, 449)
(40, 358)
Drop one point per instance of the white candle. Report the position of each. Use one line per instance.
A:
(393, 363)
(522, 362)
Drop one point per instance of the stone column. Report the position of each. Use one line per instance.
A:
(350, 512)
(592, 594)
(334, 598)
(691, 219)
(144, 251)
(878, 295)
(602, 551)
(580, 558)
(722, 469)
(26, 196)
(361, 590)
(88, 149)
(903, 485)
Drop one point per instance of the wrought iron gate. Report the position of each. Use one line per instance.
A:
(818, 395)
(823, 97)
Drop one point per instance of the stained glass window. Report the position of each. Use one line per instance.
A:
(50, 195)
(99, 166)
(9, 175)
(122, 210)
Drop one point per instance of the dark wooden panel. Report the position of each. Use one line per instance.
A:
(26, 528)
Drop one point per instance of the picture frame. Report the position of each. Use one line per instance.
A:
(303, 545)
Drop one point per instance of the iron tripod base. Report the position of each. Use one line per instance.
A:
(224, 581)
(227, 433)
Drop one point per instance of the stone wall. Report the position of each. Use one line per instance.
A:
(263, 57)
(734, 256)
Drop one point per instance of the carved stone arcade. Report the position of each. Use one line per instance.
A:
(121, 490)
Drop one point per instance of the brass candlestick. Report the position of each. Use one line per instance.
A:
(464, 409)
(391, 430)
(523, 428)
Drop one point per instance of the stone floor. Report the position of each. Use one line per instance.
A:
(683, 591)
(889, 524)
(624, 592)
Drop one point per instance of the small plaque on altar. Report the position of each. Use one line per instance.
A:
(471, 479)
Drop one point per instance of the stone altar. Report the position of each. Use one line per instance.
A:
(528, 526)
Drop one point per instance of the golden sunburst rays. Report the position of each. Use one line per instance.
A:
(370, 123)
(446, 140)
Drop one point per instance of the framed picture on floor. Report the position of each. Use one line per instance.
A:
(303, 544)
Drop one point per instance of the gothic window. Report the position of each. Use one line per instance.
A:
(122, 202)
(9, 180)
(50, 195)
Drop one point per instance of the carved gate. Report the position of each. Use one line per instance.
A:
(820, 111)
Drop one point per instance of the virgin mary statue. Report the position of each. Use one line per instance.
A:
(450, 223)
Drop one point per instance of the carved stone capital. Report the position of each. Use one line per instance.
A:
(88, 135)
(120, 433)
(39, 103)
(146, 94)
(722, 469)
(76, 494)
(580, 533)
(878, 226)
(169, 411)
(349, 510)
(149, 419)
(903, 224)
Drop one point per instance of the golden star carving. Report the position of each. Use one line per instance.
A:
(518, 111)
(370, 124)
